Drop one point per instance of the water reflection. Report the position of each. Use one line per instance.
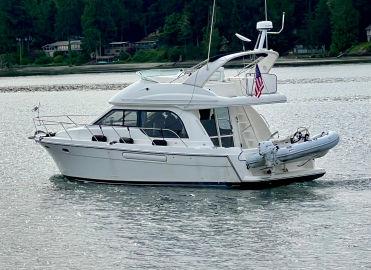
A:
(202, 201)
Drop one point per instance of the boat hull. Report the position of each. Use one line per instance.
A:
(237, 185)
(118, 166)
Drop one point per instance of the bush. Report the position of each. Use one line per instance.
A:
(175, 54)
(193, 53)
(124, 56)
(58, 53)
(149, 56)
(361, 49)
(79, 58)
(43, 60)
(7, 60)
(58, 59)
(26, 60)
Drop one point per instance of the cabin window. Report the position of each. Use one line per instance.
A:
(164, 124)
(130, 119)
(113, 118)
(218, 126)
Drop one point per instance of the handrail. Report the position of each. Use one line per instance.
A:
(162, 129)
(41, 121)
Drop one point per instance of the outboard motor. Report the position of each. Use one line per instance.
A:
(269, 152)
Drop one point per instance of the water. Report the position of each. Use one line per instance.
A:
(47, 222)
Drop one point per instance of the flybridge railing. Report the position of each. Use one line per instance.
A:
(43, 125)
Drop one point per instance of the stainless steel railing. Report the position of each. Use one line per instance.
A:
(44, 124)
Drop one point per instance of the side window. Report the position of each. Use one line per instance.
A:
(163, 124)
(154, 123)
(113, 118)
(131, 118)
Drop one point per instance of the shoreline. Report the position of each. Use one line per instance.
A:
(132, 67)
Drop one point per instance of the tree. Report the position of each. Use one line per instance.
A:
(42, 14)
(68, 18)
(364, 9)
(185, 30)
(170, 31)
(321, 25)
(98, 25)
(317, 29)
(15, 23)
(344, 25)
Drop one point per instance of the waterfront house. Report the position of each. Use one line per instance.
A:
(145, 45)
(115, 48)
(61, 46)
(300, 49)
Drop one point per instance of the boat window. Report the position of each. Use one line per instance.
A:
(113, 118)
(164, 124)
(207, 118)
(218, 126)
(131, 119)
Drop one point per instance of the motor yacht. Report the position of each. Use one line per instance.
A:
(189, 127)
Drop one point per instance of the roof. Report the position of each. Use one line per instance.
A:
(63, 43)
(146, 42)
(119, 43)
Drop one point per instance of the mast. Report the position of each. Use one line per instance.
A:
(211, 32)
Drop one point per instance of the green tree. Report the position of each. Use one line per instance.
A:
(42, 14)
(364, 9)
(185, 30)
(15, 23)
(68, 18)
(321, 25)
(344, 25)
(170, 31)
(98, 25)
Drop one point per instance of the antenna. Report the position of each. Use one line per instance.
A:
(266, 13)
(211, 32)
(243, 39)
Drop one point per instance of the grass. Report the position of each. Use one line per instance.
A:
(363, 48)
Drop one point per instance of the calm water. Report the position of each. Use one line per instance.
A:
(47, 222)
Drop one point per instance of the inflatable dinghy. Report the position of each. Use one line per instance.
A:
(271, 153)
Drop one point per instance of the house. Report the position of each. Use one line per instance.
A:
(105, 59)
(115, 48)
(61, 46)
(145, 45)
(368, 33)
(300, 49)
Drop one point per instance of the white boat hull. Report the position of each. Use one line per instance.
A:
(118, 166)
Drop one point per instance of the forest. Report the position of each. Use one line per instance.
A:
(182, 26)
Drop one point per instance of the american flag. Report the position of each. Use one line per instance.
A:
(259, 83)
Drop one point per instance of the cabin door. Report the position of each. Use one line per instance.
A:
(217, 124)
